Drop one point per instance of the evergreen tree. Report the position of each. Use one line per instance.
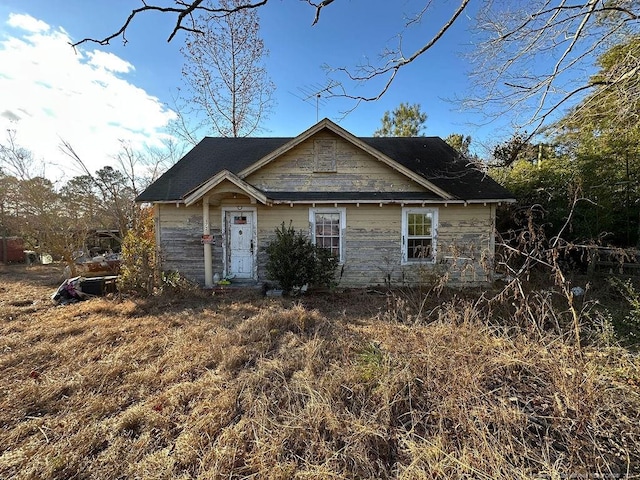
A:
(404, 121)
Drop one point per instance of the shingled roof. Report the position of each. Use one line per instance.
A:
(429, 157)
(207, 158)
(434, 160)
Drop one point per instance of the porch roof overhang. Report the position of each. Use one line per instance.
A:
(203, 189)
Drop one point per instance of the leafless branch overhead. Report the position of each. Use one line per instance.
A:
(392, 67)
(319, 7)
(529, 58)
(183, 10)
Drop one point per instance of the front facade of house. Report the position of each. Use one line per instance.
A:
(394, 211)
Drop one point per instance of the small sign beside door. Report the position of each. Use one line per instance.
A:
(208, 239)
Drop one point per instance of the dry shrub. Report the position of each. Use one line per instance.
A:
(216, 388)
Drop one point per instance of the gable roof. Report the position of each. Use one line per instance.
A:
(209, 157)
(429, 161)
(225, 175)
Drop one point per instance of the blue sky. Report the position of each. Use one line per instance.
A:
(101, 94)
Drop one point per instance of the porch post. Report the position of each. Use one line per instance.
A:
(206, 230)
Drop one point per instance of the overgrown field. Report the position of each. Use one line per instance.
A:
(349, 385)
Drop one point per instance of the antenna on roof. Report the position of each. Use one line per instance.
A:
(315, 95)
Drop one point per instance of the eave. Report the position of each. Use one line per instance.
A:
(400, 202)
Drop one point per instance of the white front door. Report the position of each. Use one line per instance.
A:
(240, 244)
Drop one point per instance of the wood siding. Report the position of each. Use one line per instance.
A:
(372, 246)
(373, 249)
(466, 243)
(180, 236)
(373, 236)
(356, 170)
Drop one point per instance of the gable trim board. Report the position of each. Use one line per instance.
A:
(370, 182)
(192, 197)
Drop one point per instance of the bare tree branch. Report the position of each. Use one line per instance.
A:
(319, 7)
(529, 60)
(16, 161)
(113, 185)
(368, 72)
(182, 12)
(533, 62)
(67, 149)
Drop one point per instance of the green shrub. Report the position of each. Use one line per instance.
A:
(325, 271)
(293, 261)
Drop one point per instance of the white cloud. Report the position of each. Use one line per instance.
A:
(27, 23)
(109, 61)
(80, 96)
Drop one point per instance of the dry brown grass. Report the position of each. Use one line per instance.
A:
(240, 386)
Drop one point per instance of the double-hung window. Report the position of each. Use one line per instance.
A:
(327, 229)
(419, 230)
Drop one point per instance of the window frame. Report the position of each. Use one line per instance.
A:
(404, 234)
(342, 211)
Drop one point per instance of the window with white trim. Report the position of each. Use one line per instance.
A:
(419, 230)
(327, 229)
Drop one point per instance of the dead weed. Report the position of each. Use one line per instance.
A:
(267, 388)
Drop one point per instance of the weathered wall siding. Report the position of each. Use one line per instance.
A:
(356, 171)
(372, 246)
(373, 243)
(270, 218)
(372, 240)
(464, 242)
(372, 250)
(181, 248)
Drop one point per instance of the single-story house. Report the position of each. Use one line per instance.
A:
(393, 210)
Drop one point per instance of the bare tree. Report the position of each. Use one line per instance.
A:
(228, 89)
(536, 60)
(115, 189)
(14, 159)
(533, 58)
(140, 167)
(9, 207)
(614, 105)
(31, 208)
(153, 161)
(48, 224)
